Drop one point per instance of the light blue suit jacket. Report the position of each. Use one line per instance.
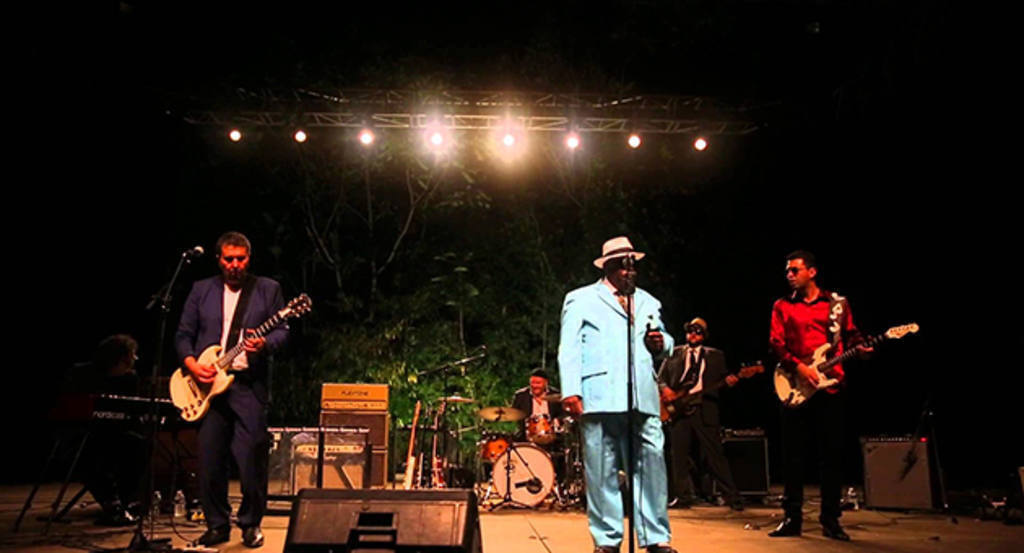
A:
(592, 354)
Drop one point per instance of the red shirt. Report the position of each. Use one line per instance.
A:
(799, 327)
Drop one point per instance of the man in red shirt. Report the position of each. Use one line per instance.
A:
(802, 322)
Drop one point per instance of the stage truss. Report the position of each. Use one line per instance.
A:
(482, 111)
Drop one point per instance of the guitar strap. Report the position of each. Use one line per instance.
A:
(240, 310)
(836, 309)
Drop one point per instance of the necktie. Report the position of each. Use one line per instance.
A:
(690, 378)
(624, 302)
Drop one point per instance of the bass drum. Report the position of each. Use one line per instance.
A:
(532, 474)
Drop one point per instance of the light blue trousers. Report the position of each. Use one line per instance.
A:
(604, 454)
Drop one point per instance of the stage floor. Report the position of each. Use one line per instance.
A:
(700, 529)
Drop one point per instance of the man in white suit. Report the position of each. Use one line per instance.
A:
(592, 362)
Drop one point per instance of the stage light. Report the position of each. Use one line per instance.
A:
(572, 141)
(634, 141)
(300, 136)
(435, 138)
(366, 137)
(700, 144)
(509, 140)
(235, 135)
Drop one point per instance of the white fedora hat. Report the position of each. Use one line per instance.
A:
(619, 246)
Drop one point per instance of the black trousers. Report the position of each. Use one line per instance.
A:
(682, 433)
(819, 422)
(236, 426)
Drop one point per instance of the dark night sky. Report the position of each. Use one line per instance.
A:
(859, 90)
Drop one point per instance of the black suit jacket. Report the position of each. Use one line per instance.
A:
(671, 372)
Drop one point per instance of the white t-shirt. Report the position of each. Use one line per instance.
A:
(230, 302)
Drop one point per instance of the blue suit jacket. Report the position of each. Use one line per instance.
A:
(202, 322)
(592, 355)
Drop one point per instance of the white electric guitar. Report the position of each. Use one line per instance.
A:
(793, 390)
(193, 397)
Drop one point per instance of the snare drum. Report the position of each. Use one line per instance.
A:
(539, 430)
(492, 446)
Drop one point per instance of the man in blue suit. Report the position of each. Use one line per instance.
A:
(592, 362)
(217, 311)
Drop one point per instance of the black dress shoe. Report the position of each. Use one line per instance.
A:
(661, 549)
(606, 549)
(788, 527)
(214, 536)
(252, 536)
(736, 504)
(832, 529)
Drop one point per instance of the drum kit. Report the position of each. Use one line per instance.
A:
(526, 474)
(546, 467)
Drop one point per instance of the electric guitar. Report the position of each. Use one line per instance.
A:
(793, 390)
(684, 404)
(410, 460)
(193, 397)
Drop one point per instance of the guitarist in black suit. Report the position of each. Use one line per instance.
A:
(690, 369)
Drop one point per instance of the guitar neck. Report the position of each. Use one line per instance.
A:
(259, 332)
(848, 354)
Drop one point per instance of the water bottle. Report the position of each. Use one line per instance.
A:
(154, 507)
(179, 504)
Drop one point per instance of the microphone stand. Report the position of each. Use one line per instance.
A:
(628, 292)
(161, 301)
(441, 425)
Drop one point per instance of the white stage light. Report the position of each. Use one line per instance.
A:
(700, 144)
(366, 137)
(572, 141)
(235, 135)
(300, 136)
(634, 141)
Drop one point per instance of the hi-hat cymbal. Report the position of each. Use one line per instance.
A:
(456, 399)
(553, 397)
(501, 414)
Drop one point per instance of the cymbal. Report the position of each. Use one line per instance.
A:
(501, 414)
(553, 397)
(456, 399)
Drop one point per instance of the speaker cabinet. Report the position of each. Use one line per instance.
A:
(342, 521)
(897, 473)
(746, 451)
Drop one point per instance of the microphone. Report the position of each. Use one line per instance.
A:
(629, 285)
(194, 252)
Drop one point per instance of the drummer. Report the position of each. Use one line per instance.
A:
(531, 401)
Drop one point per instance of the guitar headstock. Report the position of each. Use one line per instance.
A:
(898, 332)
(298, 307)
(750, 370)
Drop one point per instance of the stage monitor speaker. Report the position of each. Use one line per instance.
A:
(346, 521)
(897, 473)
(747, 454)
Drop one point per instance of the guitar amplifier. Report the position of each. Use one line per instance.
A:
(294, 463)
(746, 451)
(897, 473)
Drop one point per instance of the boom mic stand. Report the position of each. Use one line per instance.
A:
(161, 301)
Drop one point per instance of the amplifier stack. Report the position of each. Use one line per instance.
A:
(360, 405)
